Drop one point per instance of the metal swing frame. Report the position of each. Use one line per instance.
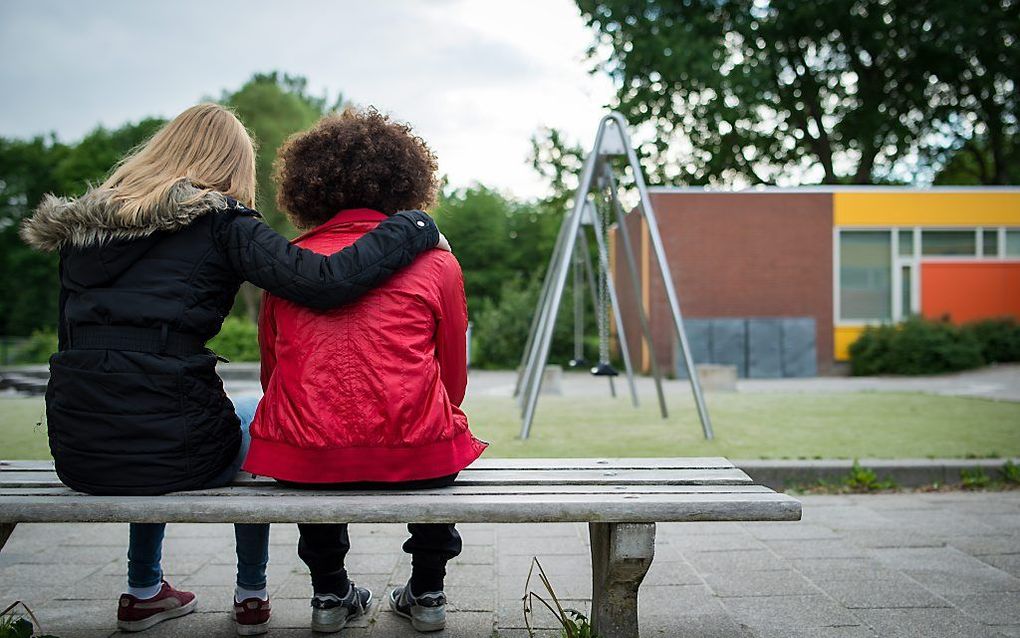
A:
(598, 179)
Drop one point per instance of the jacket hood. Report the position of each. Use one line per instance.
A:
(91, 219)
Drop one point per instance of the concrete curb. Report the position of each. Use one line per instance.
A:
(779, 475)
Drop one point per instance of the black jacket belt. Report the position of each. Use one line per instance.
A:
(134, 339)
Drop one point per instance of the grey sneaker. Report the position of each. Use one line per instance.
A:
(330, 612)
(426, 612)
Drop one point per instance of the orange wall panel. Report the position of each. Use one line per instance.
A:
(970, 290)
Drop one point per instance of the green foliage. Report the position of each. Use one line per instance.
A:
(28, 170)
(999, 339)
(274, 106)
(974, 478)
(1011, 472)
(915, 346)
(238, 340)
(756, 91)
(862, 479)
(12, 626)
(573, 624)
(38, 348)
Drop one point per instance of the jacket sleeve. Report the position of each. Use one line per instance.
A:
(264, 257)
(267, 339)
(451, 333)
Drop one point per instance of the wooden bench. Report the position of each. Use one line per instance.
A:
(620, 499)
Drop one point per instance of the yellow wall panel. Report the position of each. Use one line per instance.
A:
(932, 208)
(843, 336)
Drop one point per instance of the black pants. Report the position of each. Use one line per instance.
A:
(324, 547)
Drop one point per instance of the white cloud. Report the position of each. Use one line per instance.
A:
(475, 77)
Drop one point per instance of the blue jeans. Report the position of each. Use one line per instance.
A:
(146, 546)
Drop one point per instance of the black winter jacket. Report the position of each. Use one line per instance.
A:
(134, 405)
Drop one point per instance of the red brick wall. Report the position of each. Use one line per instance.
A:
(738, 255)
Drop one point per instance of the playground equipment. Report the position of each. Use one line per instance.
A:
(596, 203)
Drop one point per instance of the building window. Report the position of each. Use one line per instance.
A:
(989, 242)
(906, 240)
(948, 243)
(865, 275)
(1013, 243)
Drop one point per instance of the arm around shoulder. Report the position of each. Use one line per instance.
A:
(267, 259)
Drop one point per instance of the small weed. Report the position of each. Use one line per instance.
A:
(573, 624)
(974, 478)
(12, 626)
(1011, 472)
(862, 479)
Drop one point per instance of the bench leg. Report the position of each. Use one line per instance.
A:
(6, 529)
(620, 556)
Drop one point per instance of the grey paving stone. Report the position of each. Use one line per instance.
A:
(966, 581)
(841, 517)
(772, 583)
(471, 598)
(556, 566)
(717, 625)
(715, 543)
(939, 559)
(816, 549)
(752, 560)
(792, 530)
(69, 617)
(924, 623)
(852, 631)
(984, 545)
(698, 529)
(510, 613)
(470, 575)
(666, 600)
(942, 522)
(892, 537)
(893, 591)
(1009, 563)
(542, 546)
(671, 572)
(990, 608)
(781, 613)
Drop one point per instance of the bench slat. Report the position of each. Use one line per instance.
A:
(272, 491)
(396, 508)
(673, 463)
(13, 478)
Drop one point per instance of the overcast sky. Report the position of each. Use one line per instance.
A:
(475, 77)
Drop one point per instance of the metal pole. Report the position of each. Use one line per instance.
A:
(525, 358)
(628, 250)
(544, 336)
(667, 277)
(615, 303)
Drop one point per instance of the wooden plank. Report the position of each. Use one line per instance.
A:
(277, 491)
(15, 478)
(667, 463)
(316, 508)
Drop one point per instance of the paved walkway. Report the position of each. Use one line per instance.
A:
(884, 566)
(1001, 382)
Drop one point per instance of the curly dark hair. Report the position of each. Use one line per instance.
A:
(355, 159)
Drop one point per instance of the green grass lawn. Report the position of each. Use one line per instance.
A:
(747, 426)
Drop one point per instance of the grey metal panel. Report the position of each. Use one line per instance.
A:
(800, 349)
(699, 337)
(729, 343)
(764, 348)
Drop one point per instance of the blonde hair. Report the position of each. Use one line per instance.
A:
(205, 145)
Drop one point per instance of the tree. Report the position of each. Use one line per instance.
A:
(28, 170)
(273, 106)
(754, 91)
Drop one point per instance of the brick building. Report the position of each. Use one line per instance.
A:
(780, 281)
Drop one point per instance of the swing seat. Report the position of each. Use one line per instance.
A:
(578, 363)
(604, 370)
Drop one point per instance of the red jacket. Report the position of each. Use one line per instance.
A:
(370, 391)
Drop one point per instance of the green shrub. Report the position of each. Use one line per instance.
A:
(1011, 472)
(974, 478)
(862, 479)
(237, 341)
(37, 348)
(915, 346)
(999, 339)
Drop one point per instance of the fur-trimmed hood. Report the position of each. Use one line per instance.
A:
(88, 220)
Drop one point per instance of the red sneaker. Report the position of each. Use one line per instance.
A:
(252, 616)
(135, 615)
